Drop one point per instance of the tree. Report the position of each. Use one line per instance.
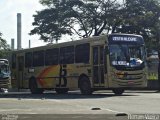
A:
(81, 17)
(141, 17)
(94, 17)
(4, 47)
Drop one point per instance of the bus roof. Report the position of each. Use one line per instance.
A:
(4, 61)
(80, 41)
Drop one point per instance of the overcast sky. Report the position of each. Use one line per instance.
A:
(8, 20)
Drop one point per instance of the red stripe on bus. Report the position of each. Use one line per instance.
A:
(43, 75)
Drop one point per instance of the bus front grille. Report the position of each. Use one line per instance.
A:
(4, 83)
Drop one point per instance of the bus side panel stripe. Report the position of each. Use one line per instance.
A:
(43, 74)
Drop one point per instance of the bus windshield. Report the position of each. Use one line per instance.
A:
(129, 55)
(4, 69)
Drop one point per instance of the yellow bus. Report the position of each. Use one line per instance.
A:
(116, 62)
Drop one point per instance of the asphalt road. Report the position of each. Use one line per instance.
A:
(102, 105)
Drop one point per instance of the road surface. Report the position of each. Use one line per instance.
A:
(100, 105)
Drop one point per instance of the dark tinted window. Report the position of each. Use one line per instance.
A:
(82, 53)
(95, 55)
(13, 61)
(28, 59)
(20, 63)
(67, 55)
(51, 56)
(38, 58)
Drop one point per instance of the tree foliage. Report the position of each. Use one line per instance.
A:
(94, 17)
(4, 47)
(142, 17)
(81, 17)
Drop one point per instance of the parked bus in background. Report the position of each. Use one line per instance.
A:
(116, 62)
(5, 78)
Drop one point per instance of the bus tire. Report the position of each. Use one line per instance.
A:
(61, 90)
(34, 88)
(85, 86)
(118, 91)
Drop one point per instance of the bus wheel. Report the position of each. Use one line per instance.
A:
(85, 86)
(61, 90)
(118, 91)
(33, 87)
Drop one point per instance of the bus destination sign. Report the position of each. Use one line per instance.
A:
(133, 39)
(125, 38)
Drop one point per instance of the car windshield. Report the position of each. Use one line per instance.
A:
(126, 54)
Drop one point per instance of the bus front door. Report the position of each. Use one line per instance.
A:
(20, 70)
(98, 66)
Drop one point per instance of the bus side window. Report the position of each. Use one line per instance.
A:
(13, 61)
(51, 56)
(21, 63)
(67, 55)
(95, 55)
(38, 58)
(28, 59)
(82, 53)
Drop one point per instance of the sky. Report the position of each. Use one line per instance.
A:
(8, 20)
